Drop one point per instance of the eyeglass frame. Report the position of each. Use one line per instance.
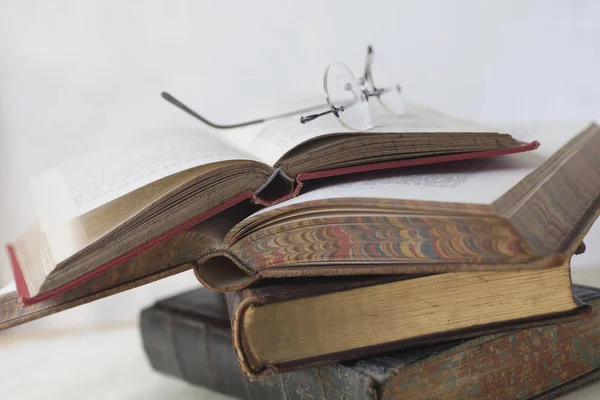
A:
(364, 80)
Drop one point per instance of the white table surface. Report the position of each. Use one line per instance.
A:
(106, 361)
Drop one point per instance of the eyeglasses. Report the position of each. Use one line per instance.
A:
(347, 99)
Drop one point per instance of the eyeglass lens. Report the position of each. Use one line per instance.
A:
(345, 94)
(380, 78)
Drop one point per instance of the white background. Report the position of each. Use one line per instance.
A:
(73, 73)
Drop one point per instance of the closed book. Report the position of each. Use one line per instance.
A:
(188, 336)
(283, 326)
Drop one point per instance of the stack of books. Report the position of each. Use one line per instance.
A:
(189, 337)
(427, 257)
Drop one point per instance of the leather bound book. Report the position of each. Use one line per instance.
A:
(188, 336)
(527, 211)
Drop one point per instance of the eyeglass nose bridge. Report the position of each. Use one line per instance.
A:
(374, 93)
(364, 91)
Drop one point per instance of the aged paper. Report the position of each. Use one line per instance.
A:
(115, 169)
(418, 118)
(70, 237)
(271, 140)
(475, 181)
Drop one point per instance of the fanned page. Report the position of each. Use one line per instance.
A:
(474, 182)
(272, 140)
(114, 169)
(118, 197)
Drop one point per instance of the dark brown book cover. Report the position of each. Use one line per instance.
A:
(188, 336)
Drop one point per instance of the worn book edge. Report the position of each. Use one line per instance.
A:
(251, 367)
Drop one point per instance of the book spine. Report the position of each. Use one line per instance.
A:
(202, 354)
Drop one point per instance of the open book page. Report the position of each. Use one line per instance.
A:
(68, 238)
(115, 169)
(419, 118)
(271, 140)
(475, 181)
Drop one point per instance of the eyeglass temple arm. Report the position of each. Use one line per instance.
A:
(309, 118)
(168, 97)
(194, 114)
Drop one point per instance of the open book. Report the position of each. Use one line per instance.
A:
(109, 206)
(511, 213)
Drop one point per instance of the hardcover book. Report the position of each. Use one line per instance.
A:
(103, 209)
(525, 211)
(282, 327)
(188, 336)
